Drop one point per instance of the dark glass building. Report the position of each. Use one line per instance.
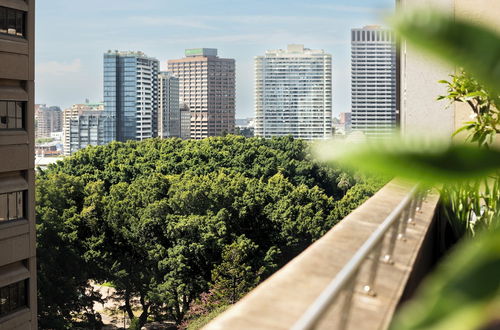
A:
(130, 96)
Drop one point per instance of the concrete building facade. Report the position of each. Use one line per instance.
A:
(130, 96)
(373, 84)
(208, 88)
(169, 112)
(18, 296)
(293, 93)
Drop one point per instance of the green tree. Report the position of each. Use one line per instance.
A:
(235, 276)
(169, 220)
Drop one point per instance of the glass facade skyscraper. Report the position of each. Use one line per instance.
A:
(293, 93)
(130, 96)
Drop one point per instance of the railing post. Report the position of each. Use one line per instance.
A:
(403, 223)
(347, 303)
(372, 275)
(413, 210)
(392, 244)
(419, 199)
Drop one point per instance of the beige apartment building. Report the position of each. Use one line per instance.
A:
(81, 126)
(208, 88)
(17, 195)
(47, 121)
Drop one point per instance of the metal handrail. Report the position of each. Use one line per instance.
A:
(404, 212)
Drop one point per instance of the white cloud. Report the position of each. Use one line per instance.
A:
(210, 22)
(59, 68)
(349, 9)
(190, 22)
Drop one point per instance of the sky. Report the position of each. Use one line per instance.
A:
(73, 35)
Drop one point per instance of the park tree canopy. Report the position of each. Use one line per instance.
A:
(167, 220)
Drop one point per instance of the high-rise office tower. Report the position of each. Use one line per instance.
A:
(373, 57)
(130, 96)
(83, 126)
(208, 88)
(169, 112)
(47, 120)
(18, 296)
(293, 93)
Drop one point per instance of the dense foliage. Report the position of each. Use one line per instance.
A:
(168, 220)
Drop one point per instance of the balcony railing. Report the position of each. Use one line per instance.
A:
(352, 278)
(392, 229)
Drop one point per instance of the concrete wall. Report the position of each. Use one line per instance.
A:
(484, 12)
(420, 112)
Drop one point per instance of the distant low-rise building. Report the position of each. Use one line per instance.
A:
(245, 127)
(83, 126)
(47, 120)
(49, 149)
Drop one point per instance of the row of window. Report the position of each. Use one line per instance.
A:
(12, 114)
(13, 297)
(11, 206)
(367, 35)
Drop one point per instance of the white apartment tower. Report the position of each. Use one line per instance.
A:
(169, 112)
(293, 93)
(373, 85)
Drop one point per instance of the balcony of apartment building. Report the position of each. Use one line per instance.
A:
(359, 273)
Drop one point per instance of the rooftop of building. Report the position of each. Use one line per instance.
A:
(295, 49)
(371, 28)
(128, 53)
(193, 52)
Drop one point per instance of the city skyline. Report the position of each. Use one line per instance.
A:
(241, 32)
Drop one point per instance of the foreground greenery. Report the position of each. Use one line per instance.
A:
(465, 291)
(179, 224)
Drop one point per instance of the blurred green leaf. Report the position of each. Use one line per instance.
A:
(428, 163)
(459, 42)
(463, 294)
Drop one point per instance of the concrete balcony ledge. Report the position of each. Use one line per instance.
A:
(282, 299)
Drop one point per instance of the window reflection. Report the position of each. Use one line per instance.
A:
(13, 297)
(12, 206)
(12, 115)
(12, 22)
